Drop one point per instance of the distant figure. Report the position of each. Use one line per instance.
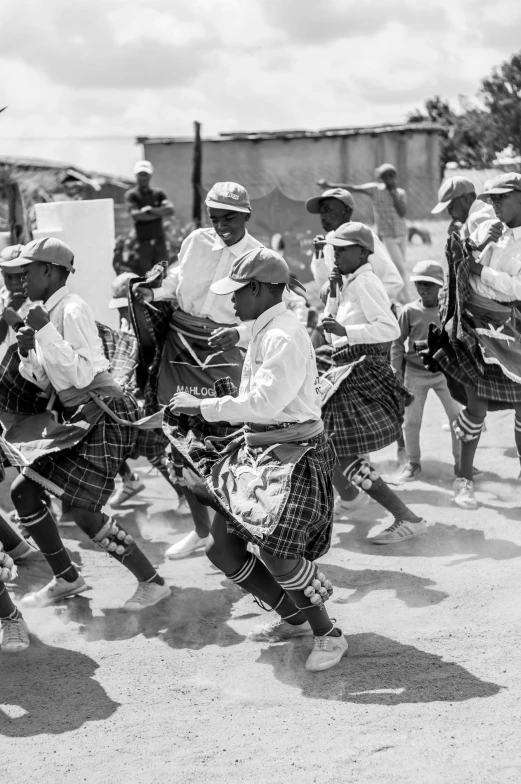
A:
(390, 208)
(147, 207)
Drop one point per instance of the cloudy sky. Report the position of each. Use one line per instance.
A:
(82, 78)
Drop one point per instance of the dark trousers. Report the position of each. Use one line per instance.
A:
(147, 253)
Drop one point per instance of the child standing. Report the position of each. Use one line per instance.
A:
(414, 320)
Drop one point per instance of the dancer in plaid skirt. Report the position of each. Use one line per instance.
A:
(272, 483)
(478, 346)
(62, 357)
(363, 402)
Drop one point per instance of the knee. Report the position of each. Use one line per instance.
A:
(89, 522)
(26, 495)
(215, 554)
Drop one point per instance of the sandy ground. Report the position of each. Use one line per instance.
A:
(429, 691)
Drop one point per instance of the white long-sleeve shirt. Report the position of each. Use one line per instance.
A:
(279, 377)
(364, 310)
(68, 350)
(501, 275)
(383, 266)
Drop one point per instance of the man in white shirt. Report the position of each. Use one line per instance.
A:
(284, 504)
(479, 345)
(457, 195)
(61, 354)
(364, 403)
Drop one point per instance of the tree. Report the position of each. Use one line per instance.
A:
(501, 94)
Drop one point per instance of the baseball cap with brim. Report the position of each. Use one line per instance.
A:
(341, 194)
(48, 249)
(428, 272)
(505, 183)
(352, 233)
(452, 189)
(228, 195)
(120, 287)
(143, 166)
(261, 264)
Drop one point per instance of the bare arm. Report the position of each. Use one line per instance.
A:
(366, 188)
(399, 201)
(163, 211)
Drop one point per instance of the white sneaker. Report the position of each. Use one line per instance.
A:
(129, 487)
(279, 630)
(183, 508)
(399, 531)
(146, 595)
(15, 637)
(54, 592)
(22, 550)
(327, 652)
(186, 546)
(464, 494)
(346, 508)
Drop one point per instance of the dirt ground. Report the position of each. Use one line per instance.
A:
(429, 691)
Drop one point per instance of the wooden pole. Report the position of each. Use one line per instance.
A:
(197, 212)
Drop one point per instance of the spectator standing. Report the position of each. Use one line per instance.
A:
(147, 207)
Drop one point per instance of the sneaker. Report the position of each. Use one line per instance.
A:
(186, 546)
(409, 472)
(129, 487)
(346, 508)
(182, 507)
(398, 531)
(54, 592)
(464, 494)
(146, 595)
(327, 652)
(401, 455)
(279, 630)
(15, 637)
(21, 551)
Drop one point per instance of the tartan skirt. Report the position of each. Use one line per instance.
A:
(366, 413)
(84, 475)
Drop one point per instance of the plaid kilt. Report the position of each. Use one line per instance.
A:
(84, 475)
(457, 353)
(366, 413)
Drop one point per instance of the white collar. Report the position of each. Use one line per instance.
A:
(236, 250)
(516, 233)
(56, 297)
(268, 316)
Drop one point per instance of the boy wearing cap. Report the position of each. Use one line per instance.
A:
(61, 355)
(363, 402)
(414, 320)
(274, 484)
(458, 196)
(390, 209)
(478, 347)
(147, 207)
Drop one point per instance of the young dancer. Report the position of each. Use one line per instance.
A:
(274, 484)
(61, 355)
(364, 402)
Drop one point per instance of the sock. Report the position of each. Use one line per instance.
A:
(517, 435)
(200, 514)
(8, 536)
(383, 494)
(42, 527)
(346, 490)
(316, 615)
(256, 579)
(8, 611)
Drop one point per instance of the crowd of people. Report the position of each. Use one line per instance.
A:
(262, 422)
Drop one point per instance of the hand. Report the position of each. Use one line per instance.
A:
(224, 338)
(146, 293)
(475, 267)
(25, 338)
(319, 241)
(183, 403)
(16, 300)
(335, 281)
(147, 208)
(37, 317)
(331, 325)
(494, 232)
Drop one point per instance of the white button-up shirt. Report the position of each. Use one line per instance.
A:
(68, 350)
(501, 275)
(381, 262)
(279, 378)
(364, 310)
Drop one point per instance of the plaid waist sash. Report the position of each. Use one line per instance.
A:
(102, 384)
(290, 433)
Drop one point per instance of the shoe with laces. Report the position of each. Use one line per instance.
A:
(21, 551)
(409, 472)
(346, 508)
(279, 630)
(54, 592)
(399, 531)
(464, 494)
(147, 595)
(182, 507)
(327, 652)
(15, 637)
(188, 545)
(129, 487)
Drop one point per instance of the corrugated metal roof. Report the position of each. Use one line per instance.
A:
(22, 162)
(297, 134)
